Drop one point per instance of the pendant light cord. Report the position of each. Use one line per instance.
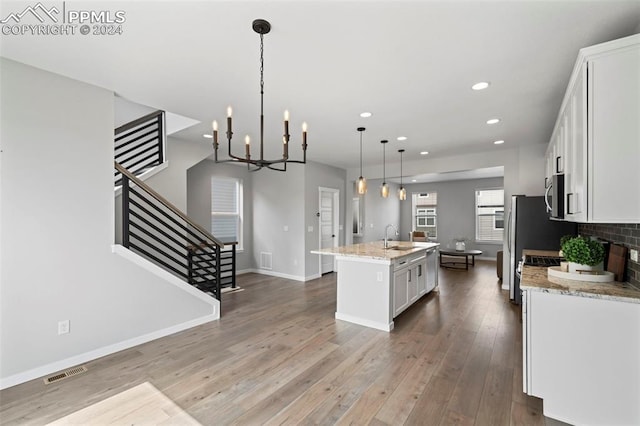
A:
(384, 160)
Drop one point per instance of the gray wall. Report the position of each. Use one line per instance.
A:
(278, 202)
(320, 175)
(456, 211)
(379, 212)
(199, 202)
(57, 213)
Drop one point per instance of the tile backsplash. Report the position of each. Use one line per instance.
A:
(627, 235)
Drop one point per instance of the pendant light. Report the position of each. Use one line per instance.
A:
(362, 182)
(384, 189)
(402, 192)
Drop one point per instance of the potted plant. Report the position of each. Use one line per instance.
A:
(582, 253)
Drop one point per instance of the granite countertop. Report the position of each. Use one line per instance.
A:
(375, 250)
(535, 278)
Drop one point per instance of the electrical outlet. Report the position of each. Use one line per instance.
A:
(633, 254)
(285, 228)
(63, 327)
(380, 277)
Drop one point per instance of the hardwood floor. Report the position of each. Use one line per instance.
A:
(278, 356)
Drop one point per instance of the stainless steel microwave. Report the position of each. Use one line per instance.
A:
(554, 197)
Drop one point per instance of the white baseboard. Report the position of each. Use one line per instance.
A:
(278, 274)
(273, 274)
(54, 367)
(365, 322)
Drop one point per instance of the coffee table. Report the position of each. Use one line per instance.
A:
(455, 253)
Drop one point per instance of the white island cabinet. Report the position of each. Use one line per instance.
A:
(376, 284)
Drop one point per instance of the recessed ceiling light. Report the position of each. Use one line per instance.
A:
(414, 180)
(480, 86)
(207, 136)
(401, 138)
(493, 121)
(365, 114)
(498, 142)
(424, 152)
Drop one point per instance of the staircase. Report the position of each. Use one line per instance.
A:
(153, 227)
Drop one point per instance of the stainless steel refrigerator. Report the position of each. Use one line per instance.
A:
(529, 227)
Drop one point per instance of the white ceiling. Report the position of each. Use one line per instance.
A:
(410, 63)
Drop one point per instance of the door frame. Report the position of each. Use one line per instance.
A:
(336, 223)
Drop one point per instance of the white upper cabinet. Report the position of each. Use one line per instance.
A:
(596, 139)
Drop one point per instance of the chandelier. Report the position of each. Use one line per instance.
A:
(261, 27)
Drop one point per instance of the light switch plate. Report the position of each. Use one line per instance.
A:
(633, 254)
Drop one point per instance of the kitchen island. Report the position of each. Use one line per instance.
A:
(581, 345)
(375, 284)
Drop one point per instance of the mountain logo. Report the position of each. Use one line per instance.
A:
(38, 11)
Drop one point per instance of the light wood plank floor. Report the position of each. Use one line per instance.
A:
(278, 356)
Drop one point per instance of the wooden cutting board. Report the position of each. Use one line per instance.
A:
(617, 261)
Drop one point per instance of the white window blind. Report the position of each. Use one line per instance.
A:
(226, 209)
(490, 215)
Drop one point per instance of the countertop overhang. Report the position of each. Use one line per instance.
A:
(376, 251)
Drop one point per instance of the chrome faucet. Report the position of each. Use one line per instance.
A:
(386, 230)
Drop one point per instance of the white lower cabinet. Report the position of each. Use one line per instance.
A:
(580, 355)
(400, 291)
(409, 281)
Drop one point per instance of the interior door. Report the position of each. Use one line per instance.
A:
(328, 238)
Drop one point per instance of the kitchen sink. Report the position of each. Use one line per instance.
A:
(401, 248)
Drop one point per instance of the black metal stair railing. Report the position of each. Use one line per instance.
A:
(139, 144)
(199, 257)
(159, 231)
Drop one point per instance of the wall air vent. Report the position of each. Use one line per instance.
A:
(266, 261)
(63, 375)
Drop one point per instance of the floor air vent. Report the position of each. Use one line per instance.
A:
(63, 375)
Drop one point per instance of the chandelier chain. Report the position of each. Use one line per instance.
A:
(261, 64)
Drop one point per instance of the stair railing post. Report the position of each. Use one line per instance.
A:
(218, 274)
(125, 211)
(233, 266)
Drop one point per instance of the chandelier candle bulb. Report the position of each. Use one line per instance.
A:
(286, 123)
(229, 131)
(215, 133)
(247, 145)
(304, 135)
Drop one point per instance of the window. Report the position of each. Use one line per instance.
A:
(425, 213)
(490, 215)
(226, 209)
